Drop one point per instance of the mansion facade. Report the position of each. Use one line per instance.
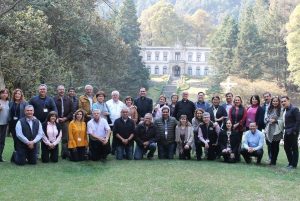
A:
(176, 61)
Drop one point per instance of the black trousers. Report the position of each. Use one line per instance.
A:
(186, 154)
(98, 151)
(269, 149)
(3, 129)
(49, 154)
(291, 149)
(198, 146)
(211, 152)
(274, 150)
(227, 158)
(23, 154)
(258, 153)
(78, 154)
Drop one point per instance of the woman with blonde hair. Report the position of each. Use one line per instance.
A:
(16, 112)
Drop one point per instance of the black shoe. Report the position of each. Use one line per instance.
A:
(12, 158)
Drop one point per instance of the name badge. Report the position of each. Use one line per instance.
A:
(45, 110)
(166, 132)
(16, 118)
(211, 129)
(79, 139)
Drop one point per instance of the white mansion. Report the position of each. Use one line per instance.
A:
(176, 61)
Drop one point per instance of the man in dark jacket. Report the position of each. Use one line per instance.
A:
(42, 104)
(291, 119)
(65, 114)
(165, 134)
(185, 107)
(144, 136)
(124, 134)
(144, 105)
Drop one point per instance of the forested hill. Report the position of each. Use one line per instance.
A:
(217, 8)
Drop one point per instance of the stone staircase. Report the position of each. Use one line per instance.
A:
(170, 88)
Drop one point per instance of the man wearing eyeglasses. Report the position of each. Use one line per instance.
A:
(291, 121)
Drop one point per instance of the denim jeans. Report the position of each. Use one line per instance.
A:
(140, 151)
(126, 150)
(166, 151)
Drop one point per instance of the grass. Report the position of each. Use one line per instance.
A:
(147, 180)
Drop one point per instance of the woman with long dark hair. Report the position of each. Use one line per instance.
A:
(274, 128)
(51, 139)
(255, 113)
(184, 137)
(229, 143)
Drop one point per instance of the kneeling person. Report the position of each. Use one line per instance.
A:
(99, 132)
(145, 138)
(252, 145)
(29, 131)
(124, 133)
(208, 135)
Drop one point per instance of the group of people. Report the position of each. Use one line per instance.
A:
(84, 126)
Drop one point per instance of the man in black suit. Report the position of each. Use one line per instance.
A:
(291, 117)
(185, 107)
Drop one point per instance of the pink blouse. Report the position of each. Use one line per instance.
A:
(251, 113)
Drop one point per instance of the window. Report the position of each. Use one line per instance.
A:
(148, 56)
(177, 56)
(190, 57)
(165, 56)
(198, 72)
(149, 69)
(206, 56)
(165, 70)
(198, 57)
(156, 56)
(156, 70)
(206, 71)
(190, 71)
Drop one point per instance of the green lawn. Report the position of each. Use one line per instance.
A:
(147, 180)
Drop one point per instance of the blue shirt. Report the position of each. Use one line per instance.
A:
(202, 105)
(254, 140)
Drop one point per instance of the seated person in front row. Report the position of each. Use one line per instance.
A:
(99, 132)
(124, 133)
(229, 143)
(29, 131)
(144, 136)
(252, 145)
(184, 138)
(208, 135)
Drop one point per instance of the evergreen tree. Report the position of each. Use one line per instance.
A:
(128, 29)
(293, 41)
(248, 55)
(223, 44)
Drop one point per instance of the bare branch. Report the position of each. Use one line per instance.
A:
(10, 8)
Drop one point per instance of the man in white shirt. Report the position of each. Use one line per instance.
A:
(29, 132)
(115, 106)
(99, 132)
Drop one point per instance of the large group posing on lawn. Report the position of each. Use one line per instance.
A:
(84, 126)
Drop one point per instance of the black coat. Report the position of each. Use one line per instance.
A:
(292, 120)
(184, 107)
(221, 112)
(234, 140)
(144, 105)
(141, 134)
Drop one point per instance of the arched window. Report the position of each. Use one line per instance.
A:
(156, 70)
(190, 71)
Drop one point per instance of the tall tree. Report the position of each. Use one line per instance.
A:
(223, 44)
(128, 28)
(293, 41)
(248, 57)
